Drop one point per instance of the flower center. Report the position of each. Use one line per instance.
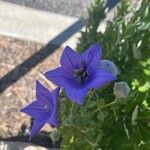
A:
(80, 73)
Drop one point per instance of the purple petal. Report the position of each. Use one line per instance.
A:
(55, 94)
(56, 76)
(69, 59)
(59, 77)
(92, 55)
(42, 93)
(76, 94)
(53, 120)
(36, 110)
(100, 78)
(38, 124)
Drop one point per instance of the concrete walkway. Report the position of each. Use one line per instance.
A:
(35, 25)
(76, 8)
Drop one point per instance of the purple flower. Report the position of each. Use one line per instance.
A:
(43, 109)
(80, 72)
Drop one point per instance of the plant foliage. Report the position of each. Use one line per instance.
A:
(124, 125)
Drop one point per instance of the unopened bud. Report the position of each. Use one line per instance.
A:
(121, 89)
(109, 66)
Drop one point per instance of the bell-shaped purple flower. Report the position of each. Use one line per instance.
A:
(43, 109)
(80, 72)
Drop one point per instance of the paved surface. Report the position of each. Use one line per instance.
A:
(75, 8)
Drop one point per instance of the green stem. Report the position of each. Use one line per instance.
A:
(71, 107)
(107, 105)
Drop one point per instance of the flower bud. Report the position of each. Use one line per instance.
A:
(109, 66)
(121, 89)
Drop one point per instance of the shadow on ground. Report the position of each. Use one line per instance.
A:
(41, 139)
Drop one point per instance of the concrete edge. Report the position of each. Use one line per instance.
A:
(5, 145)
(35, 25)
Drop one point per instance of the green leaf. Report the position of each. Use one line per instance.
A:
(102, 115)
